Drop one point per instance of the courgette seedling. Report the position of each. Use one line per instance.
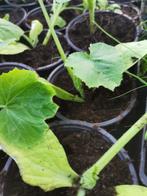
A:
(26, 101)
(103, 66)
(11, 34)
(94, 5)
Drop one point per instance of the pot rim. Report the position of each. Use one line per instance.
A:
(114, 120)
(35, 10)
(69, 26)
(21, 5)
(7, 7)
(15, 64)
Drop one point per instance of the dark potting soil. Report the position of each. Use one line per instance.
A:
(115, 24)
(39, 56)
(82, 149)
(15, 14)
(99, 104)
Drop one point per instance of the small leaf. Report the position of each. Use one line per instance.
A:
(36, 29)
(25, 103)
(131, 190)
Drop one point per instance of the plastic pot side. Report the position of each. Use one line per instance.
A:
(10, 2)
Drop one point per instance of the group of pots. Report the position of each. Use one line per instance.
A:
(82, 122)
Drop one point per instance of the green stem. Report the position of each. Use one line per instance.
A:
(92, 173)
(48, 35)
(55, 37)
(28, 40)
(53, 33)
(137, 77)
(91, 6)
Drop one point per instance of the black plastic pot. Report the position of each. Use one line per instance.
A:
(20, 3)
(68, 14)
(17, 15)
(47, 68)
(118, 25)
(131, 103)
(7, 66)
(64, 129)
(143, 155)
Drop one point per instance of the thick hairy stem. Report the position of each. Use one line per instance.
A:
(90, 177)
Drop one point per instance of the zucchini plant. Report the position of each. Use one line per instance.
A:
(94, 5)
(104, 65)
(26, 101)
(11, 34)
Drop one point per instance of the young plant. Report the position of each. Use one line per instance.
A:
(25, 103)
(11, 34)
(103, 66)
(90, 6)
(58, 7)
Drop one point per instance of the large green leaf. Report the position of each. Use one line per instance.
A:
(25, 103)
(104, 66)
(131, 190)
(9, 31)
(12, 48)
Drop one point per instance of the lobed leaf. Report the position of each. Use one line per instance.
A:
(104, 66)
(25, 103)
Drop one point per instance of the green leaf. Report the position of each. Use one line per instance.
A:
(25, 103)
(12, 48)
(104, 66)
(60, 22)
(133, 49)
(36, 29)
(9, 31)
(131, 190)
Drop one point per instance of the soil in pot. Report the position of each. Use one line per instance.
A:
(119, 26)
(39, 56)
(83, 149)
(16, 14)
(99, 105)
